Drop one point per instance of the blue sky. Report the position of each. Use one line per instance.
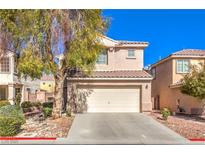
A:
(167, 31)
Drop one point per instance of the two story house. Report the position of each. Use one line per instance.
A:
(11, 85)
(167, 74)
(118, 83)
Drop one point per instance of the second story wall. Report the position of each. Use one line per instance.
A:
(163, 77)
(118, 59)
(192, 61)
(121, 55)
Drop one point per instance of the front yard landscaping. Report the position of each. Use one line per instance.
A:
(189, 127)
(57, 128)
(40, 123)
(32, 119)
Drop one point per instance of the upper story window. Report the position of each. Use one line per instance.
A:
(153, 72)
(131, 53)
(182, 66)
(4, 65)
(102, 58)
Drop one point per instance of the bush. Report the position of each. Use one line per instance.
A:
(26, 104)
(36, 104)
(4, 103)
(48, 104)
(11, 119)
(12, 111)
(9, 126)
(47, 112)
(165, 113)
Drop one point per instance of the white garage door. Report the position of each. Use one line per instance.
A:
(112, 99)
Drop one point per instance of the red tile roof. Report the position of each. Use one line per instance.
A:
(116, 74)
(132, 42)
(190, 52)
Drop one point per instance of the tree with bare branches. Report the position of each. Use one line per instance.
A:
(37, 37)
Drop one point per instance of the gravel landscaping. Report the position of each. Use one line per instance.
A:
(189, 127)
(57, 128)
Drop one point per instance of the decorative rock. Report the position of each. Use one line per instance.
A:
(189, 127)
(46, 128)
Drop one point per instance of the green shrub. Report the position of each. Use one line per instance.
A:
(47, 112)
(4, 103)
(12, 111)
(48, 104)
(26, 104)
(36, 104)
(11, 119)
(165, 113)
(9, 126)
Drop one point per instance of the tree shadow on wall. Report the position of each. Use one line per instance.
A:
(81, 103)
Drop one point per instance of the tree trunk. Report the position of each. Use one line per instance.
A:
(58, 94)
(203, 109)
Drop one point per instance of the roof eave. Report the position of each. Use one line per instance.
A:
(132, 79)
(175, 56)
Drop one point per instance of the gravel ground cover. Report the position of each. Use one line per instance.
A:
(189, 127)
(57, 128)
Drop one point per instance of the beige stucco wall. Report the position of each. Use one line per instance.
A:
(145, 89)
(165, 76)
(160, 85)
(118, 60)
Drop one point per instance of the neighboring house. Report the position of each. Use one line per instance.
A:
(166, 81)
(47, 83)
(118, 83)
(11, 85)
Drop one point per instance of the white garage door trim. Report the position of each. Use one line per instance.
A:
(111, 98)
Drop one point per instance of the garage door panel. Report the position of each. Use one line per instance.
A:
(108, 99)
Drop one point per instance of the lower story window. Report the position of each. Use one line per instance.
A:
(3, 94)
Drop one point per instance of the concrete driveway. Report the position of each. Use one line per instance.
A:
(120, 128)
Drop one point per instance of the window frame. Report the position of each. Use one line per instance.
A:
(131, 56)
(103, 60)
(182, 71)
(5, 62)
